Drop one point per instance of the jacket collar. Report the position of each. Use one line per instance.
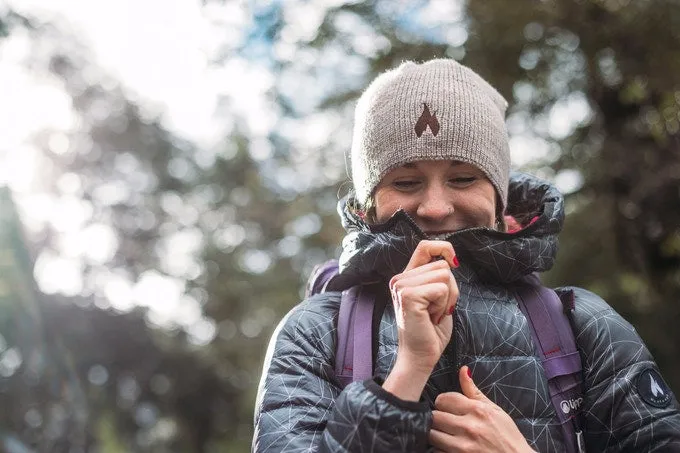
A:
(372, 253)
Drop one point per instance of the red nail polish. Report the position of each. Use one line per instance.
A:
(455, 261)
(469, 373)
(453, 307)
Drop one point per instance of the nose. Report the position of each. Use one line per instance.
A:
(434, 205)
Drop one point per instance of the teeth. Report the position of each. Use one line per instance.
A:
(439, 237)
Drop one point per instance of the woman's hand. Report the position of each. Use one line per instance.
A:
(470, 422)
(424, 297)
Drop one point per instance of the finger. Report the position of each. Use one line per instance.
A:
(450, 302)
(431, 298)
(442, 441)
(446, 422)
(453, 403)
(433, 272)
(468, 385)
(435, 265)
(427, 250)
(422, 275)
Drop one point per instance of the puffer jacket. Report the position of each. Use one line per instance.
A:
(302, 407)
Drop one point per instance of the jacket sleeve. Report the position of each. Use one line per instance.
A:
(627, 405)
(301, 406)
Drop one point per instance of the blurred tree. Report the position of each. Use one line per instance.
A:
(216, 223)
(242, 271)
(594, 107)
(621, 59)
(9, 19)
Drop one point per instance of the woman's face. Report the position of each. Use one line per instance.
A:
(441, 196)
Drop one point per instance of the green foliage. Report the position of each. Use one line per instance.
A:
(137, 383)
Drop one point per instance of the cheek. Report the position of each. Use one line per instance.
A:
(383, 209)
(388, 202)
(486, 206)
(478, 207)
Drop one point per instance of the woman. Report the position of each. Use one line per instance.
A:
(455, 364)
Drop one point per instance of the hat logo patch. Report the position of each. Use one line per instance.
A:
(652, 388)
(426, 119)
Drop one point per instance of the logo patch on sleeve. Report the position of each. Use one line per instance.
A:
(652, 389)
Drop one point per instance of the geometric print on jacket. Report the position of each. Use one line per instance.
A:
(302, 407)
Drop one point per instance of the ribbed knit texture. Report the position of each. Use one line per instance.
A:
(469, 111)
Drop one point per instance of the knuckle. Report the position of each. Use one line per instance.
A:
(394, 280)
(395, 286)
(445, 277)
(441, 290)
(424, 245)
(437, 418)
(404, 294)
(453, 284)
(483, 411)
(454, 291)
(443, 399)
(474, 431)
(442, 273)
(442, 265)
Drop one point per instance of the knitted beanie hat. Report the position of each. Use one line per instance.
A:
(438, 110)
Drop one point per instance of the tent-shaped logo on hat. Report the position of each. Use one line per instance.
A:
(426, 119)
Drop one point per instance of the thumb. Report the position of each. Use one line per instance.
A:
(468, 385)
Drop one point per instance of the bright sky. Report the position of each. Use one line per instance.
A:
(161, 51)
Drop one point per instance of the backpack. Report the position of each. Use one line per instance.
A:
(549, 321)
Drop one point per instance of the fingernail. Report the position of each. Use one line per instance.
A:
(453, 307)
(455, 262)
(469, 373)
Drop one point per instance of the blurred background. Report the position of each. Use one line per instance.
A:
(169, 171)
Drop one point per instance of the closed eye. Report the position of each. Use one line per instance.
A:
(406, 184)
(463, 180)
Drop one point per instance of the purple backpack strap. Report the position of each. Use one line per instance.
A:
(320, 277)
(354, 354)
(554, 339)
